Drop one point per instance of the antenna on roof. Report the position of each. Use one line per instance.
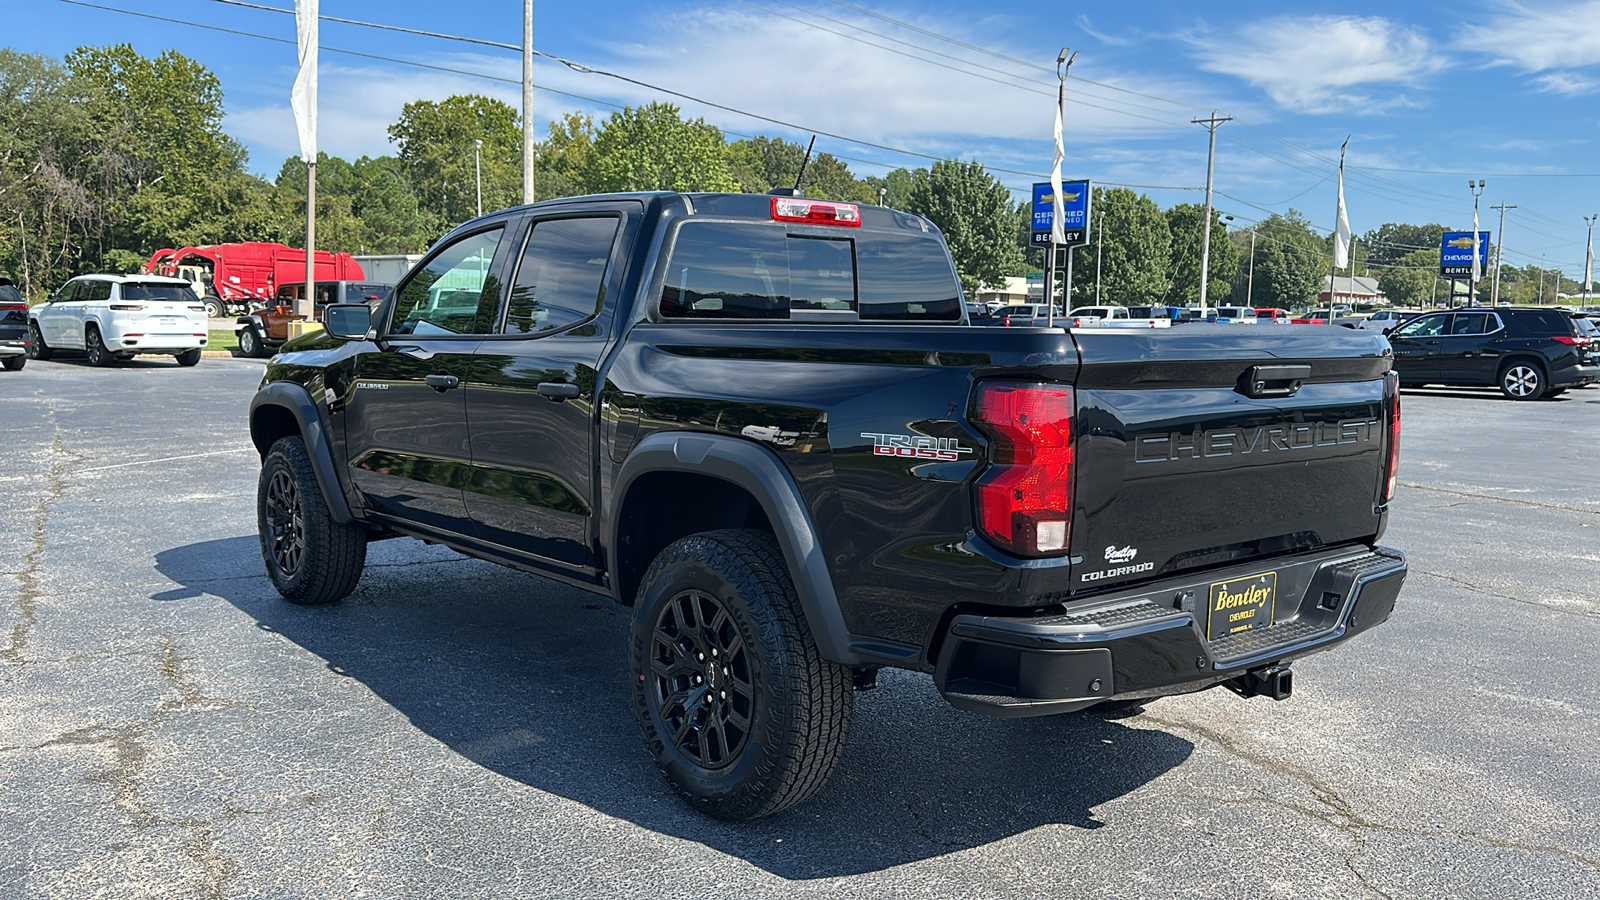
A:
(803, 161)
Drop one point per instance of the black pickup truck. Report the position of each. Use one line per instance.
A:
(763, 423)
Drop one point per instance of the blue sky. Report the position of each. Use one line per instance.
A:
(1431, 94)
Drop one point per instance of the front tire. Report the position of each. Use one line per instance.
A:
(738, 707)
(250, 342)
(188, 357)
(94, 348)
(310, 558)
(39, 349)
(1522, 380)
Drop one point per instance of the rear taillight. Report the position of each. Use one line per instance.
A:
(16, 307)
(816, 212)
(1025, 498)
(1394, 437)
(126, 307)
(198, 308)
(1571, 341)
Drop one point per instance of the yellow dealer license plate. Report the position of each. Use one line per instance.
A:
(1241, 604)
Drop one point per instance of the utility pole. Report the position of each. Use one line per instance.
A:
(527, 101)
(1205, 240)
(1500, 249)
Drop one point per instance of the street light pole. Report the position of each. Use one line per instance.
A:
(1205, 240)
(477, 164)
(1250, 282)
(527, 101)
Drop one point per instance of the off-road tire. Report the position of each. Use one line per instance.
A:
(13, 363)
(188, 357)
(38, 349)
(796, 705)
(215, 309)
(250, 342)
(310, 558)
(94, 347)
(1522, 379)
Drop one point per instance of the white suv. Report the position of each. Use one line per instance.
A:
(111, 317)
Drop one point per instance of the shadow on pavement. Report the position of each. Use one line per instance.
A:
(528, 679)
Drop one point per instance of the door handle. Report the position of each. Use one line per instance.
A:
(558, 390)
(442, 383)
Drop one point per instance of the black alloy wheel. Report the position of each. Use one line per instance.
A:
(284, 534)
(38, 349)
(700, 679)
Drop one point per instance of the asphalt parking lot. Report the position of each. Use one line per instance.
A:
(170, 728)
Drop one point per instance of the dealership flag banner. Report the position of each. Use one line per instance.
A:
(1477, 270)
(1341, 234)
(303, 99)
(1588, 269)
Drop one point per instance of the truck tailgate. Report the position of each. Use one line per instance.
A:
(1204, 445)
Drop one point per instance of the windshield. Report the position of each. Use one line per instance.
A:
(146, 290)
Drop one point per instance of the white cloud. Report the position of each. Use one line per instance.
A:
(1561, 36)
(1569, 83)
(1313, 63)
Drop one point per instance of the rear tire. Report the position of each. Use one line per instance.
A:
(189, 357)
(94, 348)
(215, 309)
(15, 363)
(1522, 379)
(310, 558)
(39, 349)
(738, 707)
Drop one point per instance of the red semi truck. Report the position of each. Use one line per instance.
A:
(232, 279)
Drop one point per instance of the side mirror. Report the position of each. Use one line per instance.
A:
(347, 321)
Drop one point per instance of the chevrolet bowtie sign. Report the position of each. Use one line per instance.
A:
(1455, 254)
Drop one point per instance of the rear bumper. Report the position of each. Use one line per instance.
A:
(1150, 641)
(1570, 376)
(9, 348)
(157, 343)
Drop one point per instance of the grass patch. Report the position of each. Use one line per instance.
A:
(223, 340)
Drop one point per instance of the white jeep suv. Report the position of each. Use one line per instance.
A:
(111, 317)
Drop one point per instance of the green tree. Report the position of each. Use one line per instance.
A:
(437, 143)
(1137, 250)
(1186, 225)
(1390, 241)
(1413, 280)
(1291, 264)
(890, 190)
(565, 159)
(651, 148)
(975, 212)
(762, 163)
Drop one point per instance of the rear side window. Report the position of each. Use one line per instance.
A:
(96, 291)
(734, 271)
(561, 275)
(1542, 321)
(1472, 323)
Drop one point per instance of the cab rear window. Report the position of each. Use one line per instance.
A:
(721, 270)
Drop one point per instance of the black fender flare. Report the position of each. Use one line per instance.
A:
(297, 400)
(758, 471)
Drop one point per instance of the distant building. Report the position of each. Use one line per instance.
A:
(1350, 291)
(1014, 291)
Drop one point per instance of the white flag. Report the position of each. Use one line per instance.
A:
(303, 99)
(1341, 234)
(1588, 270)
(1477, 270)
(1058, 235)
